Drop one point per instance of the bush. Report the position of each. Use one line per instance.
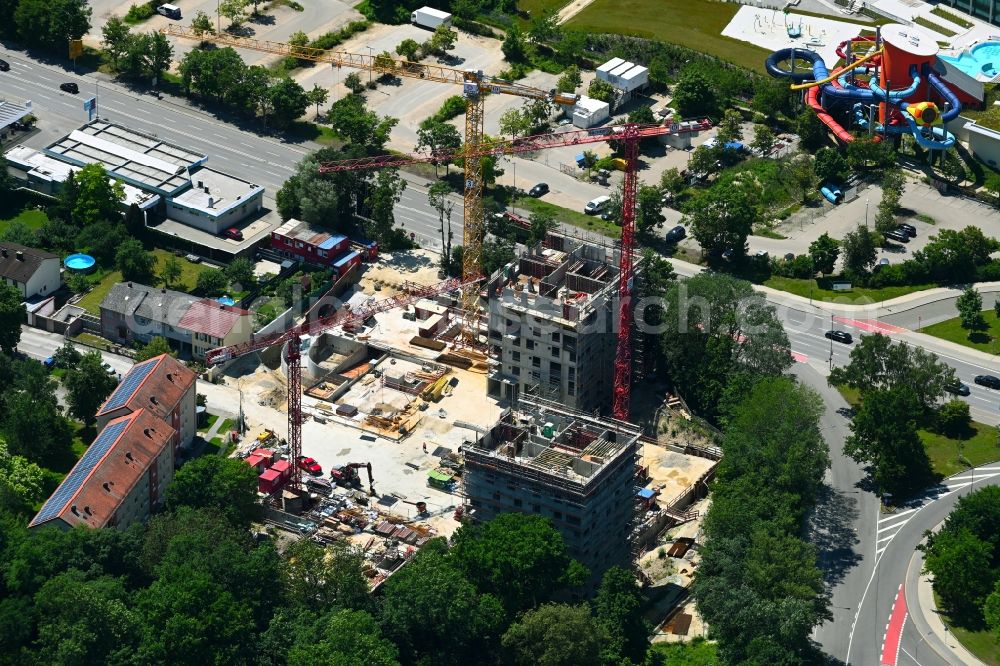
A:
(953, 418)
(331, 39)
(453, 107)
(474, 28)
(139, 13)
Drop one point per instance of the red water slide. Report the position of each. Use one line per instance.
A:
(812, 99)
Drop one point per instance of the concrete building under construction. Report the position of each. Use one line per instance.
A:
(575, 469)
(551, 324)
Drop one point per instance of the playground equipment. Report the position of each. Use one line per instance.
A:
(898, 56)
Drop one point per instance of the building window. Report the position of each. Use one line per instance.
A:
(555, 352)
(518, 503)
(516, 356)
(554, 368)
(536, 362)
(515, 370)
(555, 337)
(529, 343)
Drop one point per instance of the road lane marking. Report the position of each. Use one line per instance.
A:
(892, 639)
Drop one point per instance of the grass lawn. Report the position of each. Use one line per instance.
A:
(91, 301)
(528, 205)
(982, 643)
(30, 217)
(954, 18)
(813, 289)
(210, 420)
(189, 271)
(696, 24)
(979, 448)
(951, 330)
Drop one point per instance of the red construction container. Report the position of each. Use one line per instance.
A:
(267, 455)
(282, 467)
(269, 481)
(256, 461)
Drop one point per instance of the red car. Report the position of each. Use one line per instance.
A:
(234, 233)
(310, 465)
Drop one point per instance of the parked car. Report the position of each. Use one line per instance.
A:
(49, 362)
(840, 336)
(989, 381)
(909, 229)
(957, 388)
(898, 235)
(595, 206)
(69, 87)
(882, 262)
(310, 465)
(4, 66)
(233, 233)
(607, 216)
(676, 234)
(538, 190)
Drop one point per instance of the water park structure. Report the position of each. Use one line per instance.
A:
(890, 85)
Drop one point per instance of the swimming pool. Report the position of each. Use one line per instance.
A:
(81, 263)
(981, 62)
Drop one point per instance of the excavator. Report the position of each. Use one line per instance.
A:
(347, 475)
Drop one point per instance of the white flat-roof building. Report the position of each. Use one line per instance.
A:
(215, 201)
(589, 112)
(623, 75)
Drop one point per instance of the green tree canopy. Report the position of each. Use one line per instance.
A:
(830, 165)
(88, 385)
(618, 607)
(155, 347)
(555, 635)
(225, 485)
(970, 309)
(21, 482)
(960, 563)
(135, 263)
(824, 252)
(98, 197)
(321, 577)
(12, 315)
(723, 217)
(212, 282)
(860, 250)
(694, 95)
(344, 638)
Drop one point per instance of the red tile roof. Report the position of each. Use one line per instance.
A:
(212, 318)
(161, 389)
(108, 483)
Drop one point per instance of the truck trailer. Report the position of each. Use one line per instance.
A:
(428, 17)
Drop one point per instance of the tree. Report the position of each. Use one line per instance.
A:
(730, 128)
(830, 165)
(541, 224)
(234, 11)
(437, 196)
(513, 46)
(171, 271)
(102, 240)
(431, 611)
(21, 482)
(555, 635)
(518, 558)
(705, 159)
(202, 24)
(155, 347)
(50, 24)
(724, 218)
(318, 96)
(134, 262)
(117, 38)
(961, 564)
(212, 282)
(408, 48)
(544, 26)
(455, 263)
(601, 90)
(240, 273)
(96, 196)
(66, 357)
(320, 577)
(878, 365)
(952, 256)
(345, 638)
(771, 97)
(764, 140)
(811, 131)
(159, 55)
(694, 95)
(12, 314)
(385, 192)
(970, 310)
(991, 610)
(439, 138)
(824, 252)
(354, 83)
(515, 123)
(953, 418)
(443, 40)
(864, 154)
(672, 181)
(569, 80)
(87, 386)
(860, 251)
(649, 202)
(226, 486)
(34, 426)
(717, 331)
(288, 101)
(884, 435)
(618, 607)
(642, 115)
(350, 119)
(20, 233)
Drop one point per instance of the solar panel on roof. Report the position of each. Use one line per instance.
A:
(71, 484)
(129, 384)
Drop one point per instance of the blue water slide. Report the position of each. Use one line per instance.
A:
(816, 60)
(954, 106)
(896, 96)
(941, 139)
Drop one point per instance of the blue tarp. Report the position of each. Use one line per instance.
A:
(646, 493)
(345, 259)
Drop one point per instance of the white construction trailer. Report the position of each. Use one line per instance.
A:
(428, 17)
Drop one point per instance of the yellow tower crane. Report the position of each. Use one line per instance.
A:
(475, 87)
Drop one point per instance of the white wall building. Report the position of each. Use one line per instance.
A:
(589, 112)
(215, 201)
(32, 272)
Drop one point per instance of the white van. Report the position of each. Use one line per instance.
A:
(595, 206)
(170, 11)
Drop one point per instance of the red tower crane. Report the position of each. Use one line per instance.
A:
(630, 135)
(293, 355)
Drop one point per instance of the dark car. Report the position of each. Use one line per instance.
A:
(4, 66)
(676, 234)
(538, 190)
(607, 216)
(989, 381)
(957, 388)
(898, 236)
(69, 87)
(234, 233)
(908, 229)
(840, 336)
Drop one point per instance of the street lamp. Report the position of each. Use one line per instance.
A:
(370, 52)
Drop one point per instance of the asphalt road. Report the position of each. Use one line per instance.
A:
(40, 345)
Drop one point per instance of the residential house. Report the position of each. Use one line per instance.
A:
(32, 272)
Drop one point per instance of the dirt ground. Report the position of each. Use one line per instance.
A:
(394, 269)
